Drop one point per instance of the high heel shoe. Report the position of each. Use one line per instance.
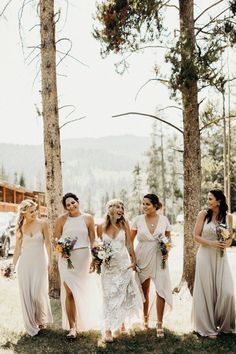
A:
(108, 338)
(145, 322)
(160, 330)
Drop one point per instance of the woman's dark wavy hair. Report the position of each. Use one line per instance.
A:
(154, 200)
(69, 195)
(223, 207)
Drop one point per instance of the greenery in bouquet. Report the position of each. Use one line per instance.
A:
(64, 247)
(164, 245)
(102, 254)
(223, 234)
(7, 269)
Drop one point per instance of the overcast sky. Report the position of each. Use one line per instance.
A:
(95, 90)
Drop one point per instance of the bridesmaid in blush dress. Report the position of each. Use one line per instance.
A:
(213, 310)
(32, 267)
(148, 227)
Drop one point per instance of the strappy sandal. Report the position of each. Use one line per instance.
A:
(108, 338)
(212, 337)
(160, 330)
(145, 322)
(42, 326)
(72, 333)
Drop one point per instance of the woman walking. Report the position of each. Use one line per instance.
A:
(32, 267)
(151, 262)
(78, 309)
(213, 309)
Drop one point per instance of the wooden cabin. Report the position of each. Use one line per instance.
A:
(11, 196)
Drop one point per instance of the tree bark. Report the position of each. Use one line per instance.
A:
(192, 152)
(52, 148)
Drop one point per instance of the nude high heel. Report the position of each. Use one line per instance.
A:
(160, 330)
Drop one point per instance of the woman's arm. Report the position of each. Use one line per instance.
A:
(230, 226)
(47, 241)
(133, 234)
(91, 229)
(58, 228)
(17, 249)
(129, 244)
(99, 231)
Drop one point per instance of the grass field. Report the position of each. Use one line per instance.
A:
(178, 339)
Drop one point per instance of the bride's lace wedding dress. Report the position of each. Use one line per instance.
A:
(121, 295)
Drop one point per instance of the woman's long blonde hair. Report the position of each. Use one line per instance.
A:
(22, 210)
(109, 216)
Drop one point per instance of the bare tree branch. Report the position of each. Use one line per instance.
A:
(215, 121)
(72, 57)
(208, 8)
(20, 15)
(5, 7)
(212, 20)
(71, 121)
(151, 47)
(36, 56)
(150, 116)
(156, 79)
(162, 109)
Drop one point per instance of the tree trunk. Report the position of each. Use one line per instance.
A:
(52, 148)
(192, 152)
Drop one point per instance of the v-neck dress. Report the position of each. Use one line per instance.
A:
(213, 309)
(149, 257)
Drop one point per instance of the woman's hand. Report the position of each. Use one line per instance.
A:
(133, 266)
(50, 268)
(228, 242)
(165, 257)
(93, 265)
(218, 244)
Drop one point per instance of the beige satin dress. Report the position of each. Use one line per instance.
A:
(32, 272)
(149, 259)
(213, 308)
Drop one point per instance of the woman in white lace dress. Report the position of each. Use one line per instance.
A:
(121, 296)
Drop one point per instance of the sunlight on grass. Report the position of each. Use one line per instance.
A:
(178, 335)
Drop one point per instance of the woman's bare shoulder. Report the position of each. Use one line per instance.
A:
(62, 217)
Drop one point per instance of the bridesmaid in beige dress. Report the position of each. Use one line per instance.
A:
(32, 267)
(148, 227)
(213, 309)
(78, 287)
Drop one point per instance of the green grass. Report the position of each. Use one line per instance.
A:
(53, 340)
(178, 338)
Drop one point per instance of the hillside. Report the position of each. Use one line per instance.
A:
(91, 166)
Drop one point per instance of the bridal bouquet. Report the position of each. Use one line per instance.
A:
(223, 234)
(64, 247)
(164, 246)
(102, 254)
(7, 269)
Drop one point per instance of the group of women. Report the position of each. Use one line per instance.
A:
(123, 290)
